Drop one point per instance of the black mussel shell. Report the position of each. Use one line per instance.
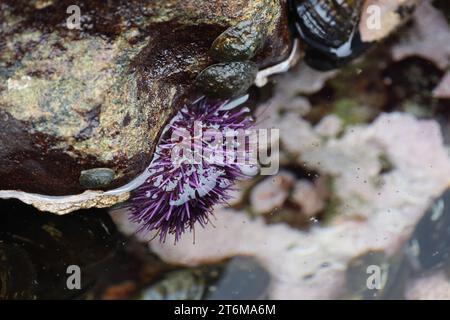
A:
(329, 30)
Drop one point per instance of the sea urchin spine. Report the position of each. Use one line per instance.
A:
(192, 169)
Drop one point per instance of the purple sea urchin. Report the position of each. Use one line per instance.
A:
(193, 168)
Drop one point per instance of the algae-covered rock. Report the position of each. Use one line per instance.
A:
(98, 95)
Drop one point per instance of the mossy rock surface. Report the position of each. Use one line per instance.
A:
(99, 96)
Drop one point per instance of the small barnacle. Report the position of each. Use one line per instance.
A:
(227, 80)
(240, 42)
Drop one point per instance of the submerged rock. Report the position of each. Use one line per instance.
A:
(235, 279)
(17, 274)
(239, 43)
(96, 178)
(227, 80)
(99, 95)
(373, 275)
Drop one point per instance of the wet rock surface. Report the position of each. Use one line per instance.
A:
(98, 96)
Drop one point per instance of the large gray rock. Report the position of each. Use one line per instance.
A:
(98, 97)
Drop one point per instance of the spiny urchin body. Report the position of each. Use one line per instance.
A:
(193, 168)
